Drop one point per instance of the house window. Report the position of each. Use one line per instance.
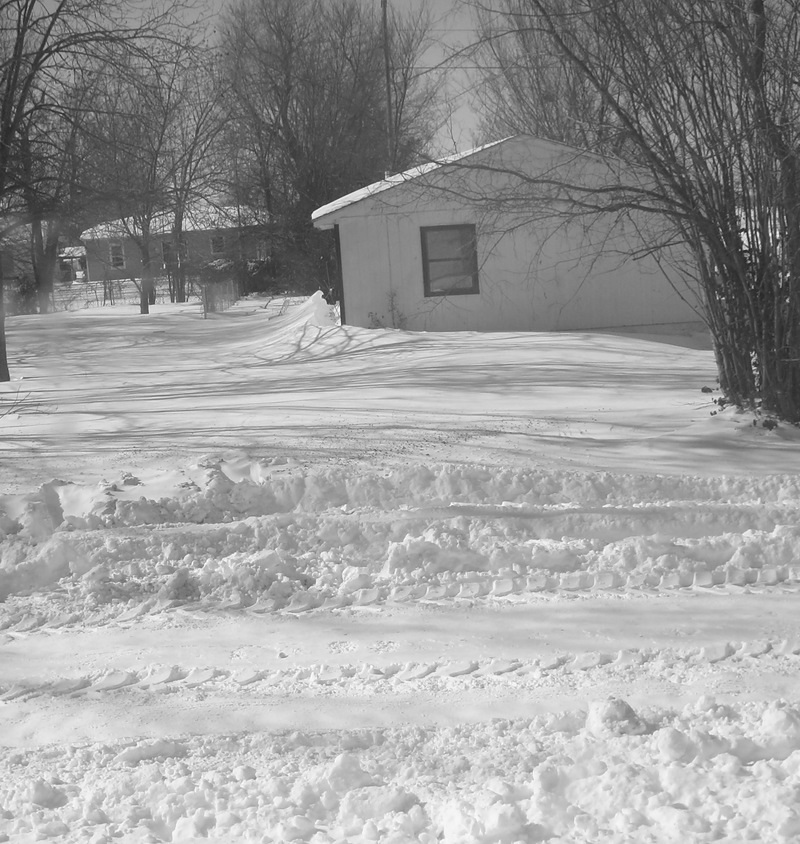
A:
(449, 260)
(117, 256)
(217, 244)
(167, 255)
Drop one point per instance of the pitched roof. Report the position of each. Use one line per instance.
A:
(395, 180)
(201, 216)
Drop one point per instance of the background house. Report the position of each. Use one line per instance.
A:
(210, 234)
(459, 245)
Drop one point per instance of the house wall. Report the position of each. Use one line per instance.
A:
(529, 279)
(543, 274)
(198, 249)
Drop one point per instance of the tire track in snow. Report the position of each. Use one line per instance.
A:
(179, 678)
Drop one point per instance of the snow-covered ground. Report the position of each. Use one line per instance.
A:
(265, 578)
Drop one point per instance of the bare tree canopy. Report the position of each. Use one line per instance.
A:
(150, 138)
(309, 99)
(53, 55)
(705, 98)
(46, 49)
(526, 85)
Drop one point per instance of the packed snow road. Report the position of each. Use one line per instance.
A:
(259, 583)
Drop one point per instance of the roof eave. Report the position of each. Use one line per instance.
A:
(326, 216)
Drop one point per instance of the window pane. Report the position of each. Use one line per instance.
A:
(448, 243)
(449, 275)
(117, 255)
(450, 260)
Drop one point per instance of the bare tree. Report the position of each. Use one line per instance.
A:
(54, 191)
(43, 44)
(415, 98)
(526, 85)
(194, 150)
(704, 98)
(307, 78)
(136, 157)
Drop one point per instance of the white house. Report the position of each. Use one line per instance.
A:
(483, 241)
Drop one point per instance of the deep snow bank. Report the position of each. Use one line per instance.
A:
(705, 773)
(247, 529)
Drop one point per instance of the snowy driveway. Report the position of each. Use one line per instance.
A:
(275, 580)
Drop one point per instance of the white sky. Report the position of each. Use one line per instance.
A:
(453, 26)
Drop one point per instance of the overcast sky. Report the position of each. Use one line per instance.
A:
(452, 25)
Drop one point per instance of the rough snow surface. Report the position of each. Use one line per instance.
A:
(264, 578)
(702, 773)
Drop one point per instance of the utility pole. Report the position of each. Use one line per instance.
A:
(387, 61)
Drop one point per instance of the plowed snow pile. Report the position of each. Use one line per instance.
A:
(266, 578)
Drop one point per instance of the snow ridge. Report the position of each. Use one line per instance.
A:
(238, 534)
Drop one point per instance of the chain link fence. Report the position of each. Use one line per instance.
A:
(214, 295)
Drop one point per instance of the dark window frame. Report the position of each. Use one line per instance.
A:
(472, 261)
(167, 254)
(218, 240)
(117, 260)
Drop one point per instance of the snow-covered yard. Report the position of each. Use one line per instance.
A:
(270, 579)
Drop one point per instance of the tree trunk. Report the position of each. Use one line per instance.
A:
(147, 290)
(44, 256)
(5, 375)
(180, 258)
(777, 341)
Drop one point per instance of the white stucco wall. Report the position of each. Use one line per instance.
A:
(540, 275)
